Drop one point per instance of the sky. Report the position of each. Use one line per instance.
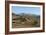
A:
(27, 10)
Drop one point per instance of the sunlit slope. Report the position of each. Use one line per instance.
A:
(23, 20)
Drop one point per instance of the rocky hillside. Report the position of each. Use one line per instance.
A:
(25, 20)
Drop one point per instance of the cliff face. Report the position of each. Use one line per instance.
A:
(25, 20)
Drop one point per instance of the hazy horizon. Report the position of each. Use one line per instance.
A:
(27, 10)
